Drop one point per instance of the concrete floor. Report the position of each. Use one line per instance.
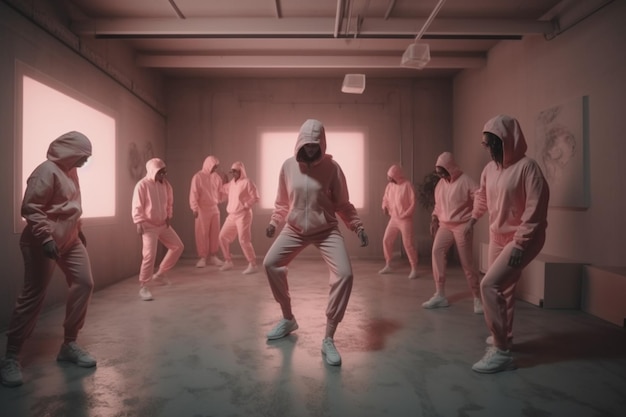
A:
(199, 349)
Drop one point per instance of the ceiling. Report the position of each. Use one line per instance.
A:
(300, 38)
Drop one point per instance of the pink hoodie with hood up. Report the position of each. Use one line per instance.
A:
(206, 187)
(516, 194)
(52, 202)
(454, 199)
(310, 193)
(153, 201)
(399, 197)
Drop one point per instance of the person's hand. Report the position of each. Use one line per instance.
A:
(50, 249)
(516, 257)
(434, 226)
(139, 229)
(469, 227)
(363, 237)
(271, 229)
(82, 238)
(195, 214)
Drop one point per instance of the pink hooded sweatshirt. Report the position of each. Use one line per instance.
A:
(52, 203)
(206, 187)
(515, 194)
(310, 193)
(152, 200)
(399, 197)
(454, 199)
(242, 194)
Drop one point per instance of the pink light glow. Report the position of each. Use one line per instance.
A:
(347, 148)
(47, 114)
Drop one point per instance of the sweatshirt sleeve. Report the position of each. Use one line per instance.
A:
(137, 204)
(343, 207)
(281, 205)
(480, 198)
(194, 194)
(38, 193)
(536, 207)
(409, 203)
(386, 198)
(170, 200)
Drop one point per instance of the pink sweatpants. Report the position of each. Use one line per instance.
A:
(151, 237)
(38, 270)
(498, 286)
(445, 237)
(405, 228)
(238, 225)
(207, 231)
(288, 245)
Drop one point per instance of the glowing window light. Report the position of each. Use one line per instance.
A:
(347, 148)
(46, 115)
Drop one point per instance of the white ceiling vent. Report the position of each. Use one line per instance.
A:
(417, 55)
(353, 84)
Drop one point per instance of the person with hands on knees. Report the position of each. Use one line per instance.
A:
(312, 191)
(454, 199)
(515, 193)
(152, 210)
(242, 195)
(52, 237)
(399, 205)
(205, 193)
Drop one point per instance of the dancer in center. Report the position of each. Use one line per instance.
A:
(312, 189)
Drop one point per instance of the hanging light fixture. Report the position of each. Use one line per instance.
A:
(353, 84)
(417, 55)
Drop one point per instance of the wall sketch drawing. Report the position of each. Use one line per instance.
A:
(560, 150)
(137, 159)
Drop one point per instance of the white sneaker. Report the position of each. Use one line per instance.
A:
(330, 352)
(10, 372)
(386, 270)
(228, 265)
(75, 354)
(201, 263)
(161, 279)
(478, 306)
(145, 294)
(413, 274)
(216, 261)
(495, 360)
(251, 269)
(436, 301)
(282, 329)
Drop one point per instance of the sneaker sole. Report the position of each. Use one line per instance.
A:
(12, 384)
(510, 367)
(436, 306)
(81, 364)
(280, 336)
(328, 361)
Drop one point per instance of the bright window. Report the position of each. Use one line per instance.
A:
(47, 113)
(346, 147)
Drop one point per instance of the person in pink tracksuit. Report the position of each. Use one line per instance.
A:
(454, 199)
(242, 195)
(152, 212)
(399, 205)
(205, 194)
(52, 236)
(515, 193)
(312, 190)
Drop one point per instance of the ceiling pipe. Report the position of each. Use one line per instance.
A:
(338, 17)
(430, 19)
(392, 4)
(176, 9)
(278, 9)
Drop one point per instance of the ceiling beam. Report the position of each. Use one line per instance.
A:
(298, 62)
(303, 27)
